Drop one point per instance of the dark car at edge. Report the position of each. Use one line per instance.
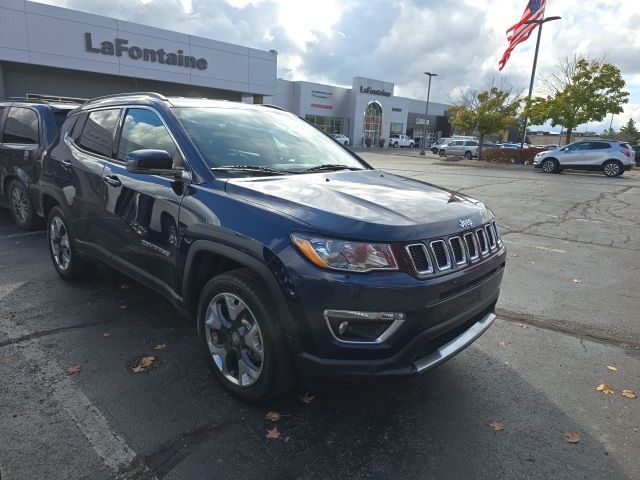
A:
(295, 258)
(27, 128)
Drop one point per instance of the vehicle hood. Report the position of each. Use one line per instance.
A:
(366, 204)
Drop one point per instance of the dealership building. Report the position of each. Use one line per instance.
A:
(57, 53)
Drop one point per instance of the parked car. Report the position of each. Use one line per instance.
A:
(435, 147)
(512, 146)
(613, 157)
(344, 140)
(27, 129)
(293, 255)
(401, 141)
(460, 148)
(636, 149)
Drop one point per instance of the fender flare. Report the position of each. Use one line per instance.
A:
(257, 266)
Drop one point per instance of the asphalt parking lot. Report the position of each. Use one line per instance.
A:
(570, 308)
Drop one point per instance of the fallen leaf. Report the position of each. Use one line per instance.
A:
(515, 255)
(613, 369)
(604, 388)
(576, 280)
(106, 334)
(73, 370)
(496, 425)
(273, 432)
(144, 364)
(502, 344)
(160, 346)
(307, 398)
(572, 437)
(273, 416)
(629, 394)
(524, 327)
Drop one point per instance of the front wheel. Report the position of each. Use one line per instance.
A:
(242, 338)
(612, 168)
(550, 165)
(395, 144)
(67, 262)
(21, 207)
(442, 153)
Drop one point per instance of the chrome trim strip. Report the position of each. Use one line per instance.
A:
(462, 249)
(459, 343)
(426, 252)
(479, 232)
(491, 237)
(435, 257)
(475, 257)
(370, 316)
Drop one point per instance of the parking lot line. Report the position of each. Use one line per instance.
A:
(109, 446)
(23, 234)
(557, 250)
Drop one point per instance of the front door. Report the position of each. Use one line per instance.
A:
(142, 211)
(575, 154)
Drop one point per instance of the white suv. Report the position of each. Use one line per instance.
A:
(401, 141)
(612, 157)
(338, 137)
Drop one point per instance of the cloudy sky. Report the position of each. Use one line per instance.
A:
(330, 41)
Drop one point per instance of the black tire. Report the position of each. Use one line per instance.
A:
(550, 165)
(434, 151)
(71, 266)
(442, 153)
(395, 144)
(346, 143)
(411, 145)
(21, 207)
(468, 155)
(276, 375)
(612, 168)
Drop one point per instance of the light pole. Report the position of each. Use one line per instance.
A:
(426, 113)
(533, 70)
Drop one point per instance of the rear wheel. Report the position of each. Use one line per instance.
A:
(395, 144)
(67, 262)
(242, 338)
(21, 207)
(468, 155)
(442, 153)
(550, 165)
(612, 168)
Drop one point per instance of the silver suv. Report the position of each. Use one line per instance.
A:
(460, 148)
(612, 157)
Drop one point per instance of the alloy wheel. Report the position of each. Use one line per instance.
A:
(548, 166)
(59, 239)
(612, 169)
(234, 339)
(19, 204)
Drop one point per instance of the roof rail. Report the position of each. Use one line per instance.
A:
(271, 106)
(159, 96)
(45, 100)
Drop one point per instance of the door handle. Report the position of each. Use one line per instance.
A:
(65, 164)
(112, 180)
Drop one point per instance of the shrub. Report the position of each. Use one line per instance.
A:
(509, 155)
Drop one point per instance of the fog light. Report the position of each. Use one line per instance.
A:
(352, 326)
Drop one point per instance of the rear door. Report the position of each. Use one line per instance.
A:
(80, 175)
(598, 152)
(20, 148)
(455, 148)
(142, 211)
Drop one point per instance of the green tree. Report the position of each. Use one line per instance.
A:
(487, 111)
(629, 132)
(579, 91)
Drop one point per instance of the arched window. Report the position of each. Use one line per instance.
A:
(372, 124)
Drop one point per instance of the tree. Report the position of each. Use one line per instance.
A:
(487, 111)
(579, 91)
(629, 132)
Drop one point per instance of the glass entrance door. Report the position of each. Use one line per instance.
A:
(372, 123)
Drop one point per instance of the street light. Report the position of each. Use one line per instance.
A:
(426, 113)
(535, 62)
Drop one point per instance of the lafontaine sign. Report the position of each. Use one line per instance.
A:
(120, 46)
(372, 91)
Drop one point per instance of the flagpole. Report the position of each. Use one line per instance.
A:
(533, 70)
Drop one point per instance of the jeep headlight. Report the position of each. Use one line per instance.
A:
(345, 255)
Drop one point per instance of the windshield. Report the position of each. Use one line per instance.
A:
(270, 139)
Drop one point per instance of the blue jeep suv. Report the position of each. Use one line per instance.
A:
(295, 258)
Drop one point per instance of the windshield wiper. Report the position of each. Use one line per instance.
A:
(330, 167)
(249, 168)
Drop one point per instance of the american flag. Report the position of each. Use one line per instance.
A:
(521, 31)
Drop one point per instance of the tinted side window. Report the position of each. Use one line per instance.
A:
(578, 146)
(77, 129)
(599, 145)
(21, 126)
(472, 143)
(97, 134)
(143, 129)
(456, 143)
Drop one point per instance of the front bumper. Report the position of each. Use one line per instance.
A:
(443, 316)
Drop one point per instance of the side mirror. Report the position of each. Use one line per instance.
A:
(154, 162)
